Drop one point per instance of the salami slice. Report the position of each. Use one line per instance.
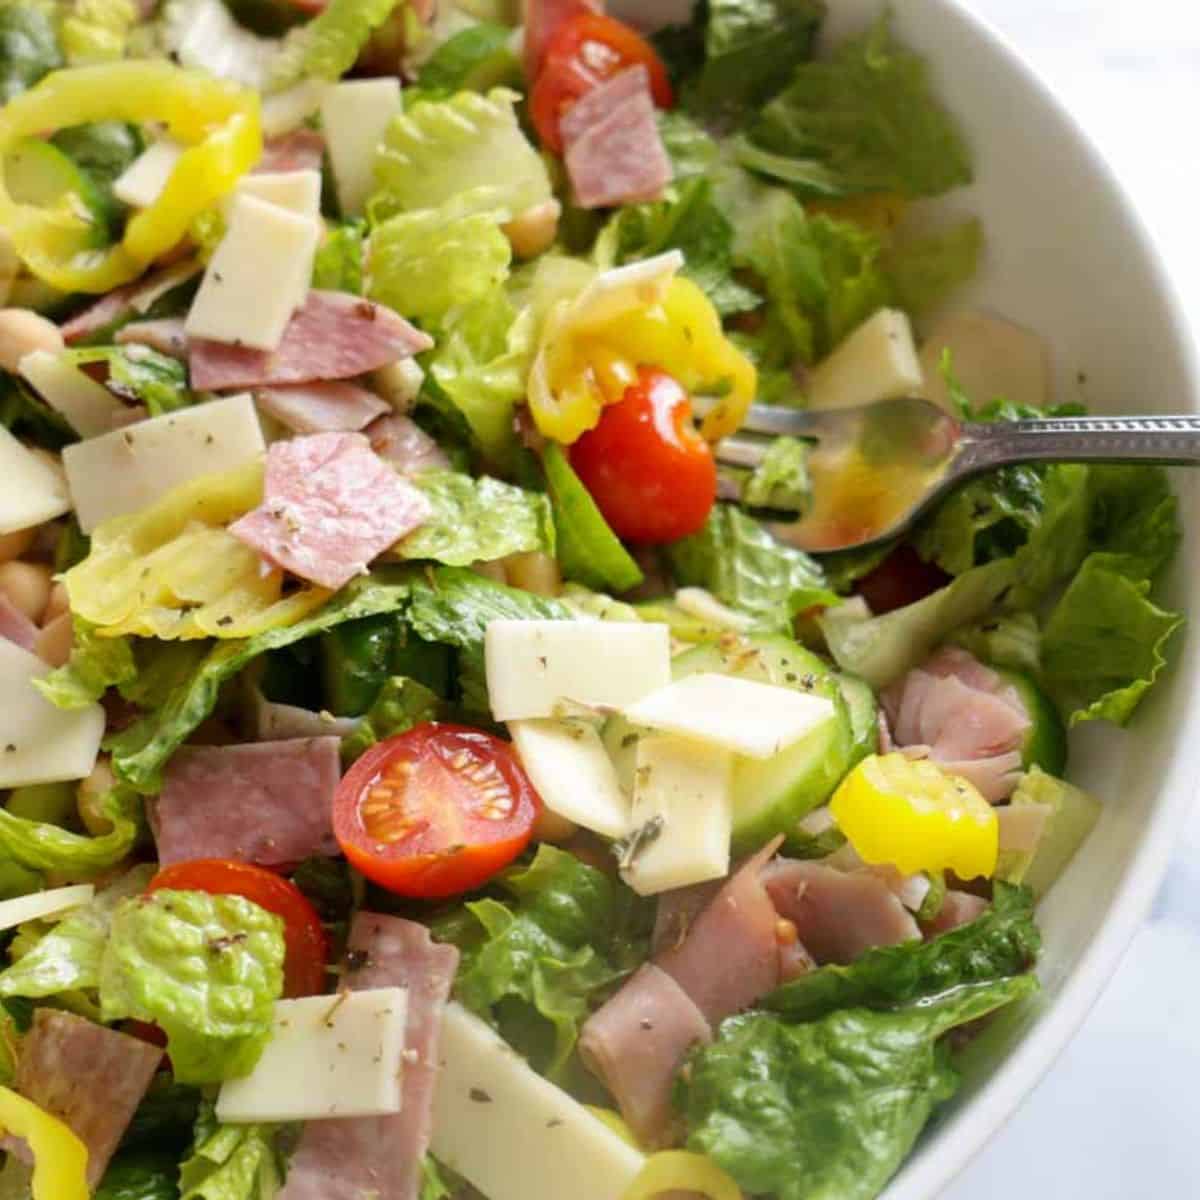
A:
(334, 407)
(330, 505)
(333, 335)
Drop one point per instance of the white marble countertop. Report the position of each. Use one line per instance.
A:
(1118, 1115)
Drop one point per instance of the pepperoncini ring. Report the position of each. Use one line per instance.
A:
(217, 121)
(59, 1157)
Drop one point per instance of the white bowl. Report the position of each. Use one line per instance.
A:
(1067, 256)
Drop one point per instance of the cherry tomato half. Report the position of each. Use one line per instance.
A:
(901, 579)
(435, 811)
(586, 51)
(651, 474)
(307, 946)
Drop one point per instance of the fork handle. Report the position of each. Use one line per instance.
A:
(1168, 441)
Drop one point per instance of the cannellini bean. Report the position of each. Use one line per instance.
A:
(550, 827)
(13, 545)
(534, 572)
(23, 331)
(53, 644)
(88, 795)
(59, 603)
(534, 230)
(27, 586)
(490, 570)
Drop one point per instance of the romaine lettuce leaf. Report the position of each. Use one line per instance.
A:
(206, 969)
(338, 266)
(827, 1108)
(96, 31)
(588, 550)
(864, 121)
(1013, 640)
(29, 48)
(140, 1175)
(401, 704)
(231, 1162)
(477, 58)
(781, 479)
(326, 46)
(25, 414)
(477, 520)
(737, 560)
(95, 665)
(924, 270)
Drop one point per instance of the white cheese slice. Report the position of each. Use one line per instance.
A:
(511, 1133)
(623, 289)
(38, 742)
(127, 469)
(878, 361)
(31, 489)
(89, 407)
(44, 904)
(162, 282)
(329, 1056)
(297, 191)
(257, 277)
(355, 114)
(287, 110)
(682, 805)
(534, 666)
(755, 719)
(142, 182)
(568, 765)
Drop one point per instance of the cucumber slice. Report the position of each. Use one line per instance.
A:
(1045, 744)
(40, 174)
(863, 710)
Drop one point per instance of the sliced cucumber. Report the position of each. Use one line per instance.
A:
(1045, 744)
(40, 174)
(863, 710)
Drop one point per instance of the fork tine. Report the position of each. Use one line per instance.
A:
(775, 421)
(742, 450)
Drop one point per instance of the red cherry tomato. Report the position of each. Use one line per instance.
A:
(651, 474)
(435, 811)
(586, 51)
(901, 579)
(307, 947)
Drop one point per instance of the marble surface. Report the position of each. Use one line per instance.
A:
(1118, 1116)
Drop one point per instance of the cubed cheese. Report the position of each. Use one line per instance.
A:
(257, 277)
(398, 383)
(89, 407)
(38, 742)
(755, 719)
(568, 765)
(141, 183)
(32, 490)
(297, 191)
(878, 361)
(44, 904)
(329, 1056)
(682, 814)
(510, 1132)
(534, 666)
(287, 110)
(130, 468)
(355, 115)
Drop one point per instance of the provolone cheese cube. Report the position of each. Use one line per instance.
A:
(257, 277)
(510, 1132)
(682, 814)
(355, 115)
(755, 719)
(128, 469)
(329, 1056)
(89, 407)
(878, 361)
(38, 742)
(568, 765)
(287, 110)
(31, 489)
(297, 191)
(41, 905)
(142, 182)
(534, 666)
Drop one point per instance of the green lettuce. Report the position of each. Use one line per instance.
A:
(433, 1186)
(140, 1175)
(41, 846)
(141, 375)
(925, 269)
(96, 664)
(828, 1108)
(535, 962)
(326, 46)
(1013, 640)
(475, 59)
(165, 1119)
(26, 415)
(401, 704)
(206, 969)
(231, 1162)
(338, 266)
(29, 48)
(477, 520)
(864, 121)
(588, 550)
(737, 560)
(781, 479)
(1003, 941)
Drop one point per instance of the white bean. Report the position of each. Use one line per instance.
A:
(53, 644)
(534, 572)
(59, 603)
(23, 331)
(27, 586)
(88, 795)
(534, 230)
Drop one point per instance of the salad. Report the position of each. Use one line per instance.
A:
(417, 783)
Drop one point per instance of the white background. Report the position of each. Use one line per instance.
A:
(1119, 1115)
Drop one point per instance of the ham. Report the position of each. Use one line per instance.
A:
(381, 1157)
(299, 150)
(964, 717)
(330, 506)
(636, 1043)
(274, 721)
(15, 625)
(677, 909)
(166, 335)
(402, 442)
(333, 335)
(334, 407)
(543, 19)
(958, 908)
(90, 1077)
(614, 153)
(268, 803)
(100, 315)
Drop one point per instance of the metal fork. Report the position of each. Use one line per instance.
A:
(875, 470)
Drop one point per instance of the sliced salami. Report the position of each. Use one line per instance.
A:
(333, 335)
(403, 443)
(333, 407)
(268, 803)
(299, 150)
(381, 1156)
(330, 506)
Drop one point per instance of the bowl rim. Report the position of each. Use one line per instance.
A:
(926, 1175)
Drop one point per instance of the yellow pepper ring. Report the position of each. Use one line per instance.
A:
(218, 121)
(59, 1157)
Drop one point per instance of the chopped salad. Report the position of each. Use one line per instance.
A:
(416, 782)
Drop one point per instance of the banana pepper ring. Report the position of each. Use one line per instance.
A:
(217, 121)
(59, 1157)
